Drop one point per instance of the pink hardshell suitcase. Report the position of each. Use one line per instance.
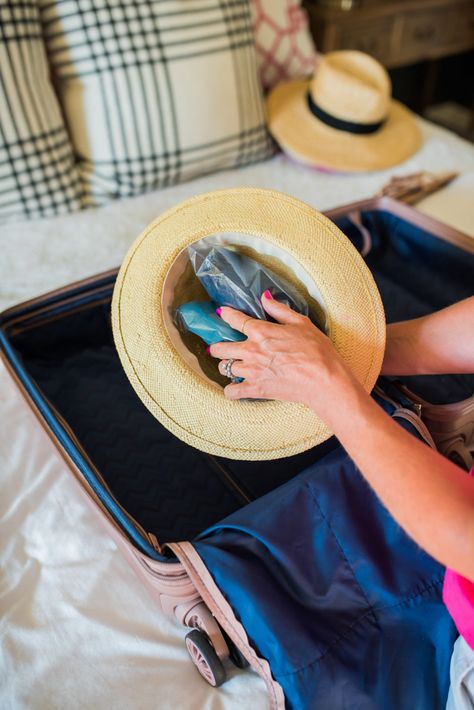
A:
(170, 567)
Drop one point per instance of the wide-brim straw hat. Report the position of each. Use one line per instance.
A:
(343, 118)
(174, 382)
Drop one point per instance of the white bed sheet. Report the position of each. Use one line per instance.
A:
(77, 629)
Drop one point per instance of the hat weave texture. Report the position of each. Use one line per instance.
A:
(197, 411)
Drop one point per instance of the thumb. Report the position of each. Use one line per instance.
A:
(278, 311)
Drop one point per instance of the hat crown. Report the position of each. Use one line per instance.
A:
(352, 86)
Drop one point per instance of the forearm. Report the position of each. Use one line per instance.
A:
(430, 497)
(293, 361)
(440, 343)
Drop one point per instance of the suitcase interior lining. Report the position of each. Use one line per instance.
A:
(175, 491)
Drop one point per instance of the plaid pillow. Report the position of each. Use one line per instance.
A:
(38, 177)
(155, 92)
(285, 48)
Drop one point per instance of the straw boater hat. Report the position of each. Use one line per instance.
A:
(171, 375)
(344, 117)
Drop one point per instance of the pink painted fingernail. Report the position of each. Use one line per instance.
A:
(208, 350)
(268, 295)
(218, 311)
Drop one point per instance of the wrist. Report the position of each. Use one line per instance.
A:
(336, 402)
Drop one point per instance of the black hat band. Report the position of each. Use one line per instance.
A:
(340, 124)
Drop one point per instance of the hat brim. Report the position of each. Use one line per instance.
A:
(309, 140)
(191, 408)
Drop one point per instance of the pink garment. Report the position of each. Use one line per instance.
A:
(458, 595)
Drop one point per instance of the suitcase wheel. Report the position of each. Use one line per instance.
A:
(237, 658)
(205, 658)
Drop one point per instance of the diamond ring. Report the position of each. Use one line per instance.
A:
(228, 369)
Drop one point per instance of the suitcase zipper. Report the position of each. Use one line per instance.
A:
(50, 315)
(410, 215)
(41, 315)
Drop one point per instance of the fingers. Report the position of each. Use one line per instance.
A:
(244, 390)
(251, 327)
(257, 351)
(279, 311)
(228, 350)
(239, 369)
(236, 319)
(263, 337)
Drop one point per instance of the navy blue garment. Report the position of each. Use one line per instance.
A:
(342, 603)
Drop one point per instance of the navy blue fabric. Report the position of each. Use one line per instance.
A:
(416, 273)
(343, 605)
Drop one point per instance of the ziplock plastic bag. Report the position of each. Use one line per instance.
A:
(200, 318)
(233, 279)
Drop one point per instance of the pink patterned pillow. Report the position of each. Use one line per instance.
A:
(285, 48)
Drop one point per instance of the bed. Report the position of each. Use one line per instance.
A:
(77, 627)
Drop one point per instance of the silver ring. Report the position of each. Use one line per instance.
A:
(228, 369)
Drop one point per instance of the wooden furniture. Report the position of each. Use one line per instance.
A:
(396, 32)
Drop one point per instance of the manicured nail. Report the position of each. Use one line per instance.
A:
(218, 311)
(208, 350)
(267, 294)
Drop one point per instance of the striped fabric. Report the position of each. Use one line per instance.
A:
(38, 177)
(155, 92)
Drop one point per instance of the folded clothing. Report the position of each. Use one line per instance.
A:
(200, 318)
(234, 279)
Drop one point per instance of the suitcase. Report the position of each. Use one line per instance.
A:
(290, 566)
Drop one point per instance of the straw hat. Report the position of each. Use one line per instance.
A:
(171, 376)
(344, 117)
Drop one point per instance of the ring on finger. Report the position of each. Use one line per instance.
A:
(228, 368)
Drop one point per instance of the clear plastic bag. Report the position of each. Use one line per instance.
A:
(234, 279)
(230, 279)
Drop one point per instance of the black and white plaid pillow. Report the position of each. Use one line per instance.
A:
(155, 92)
(38, 177)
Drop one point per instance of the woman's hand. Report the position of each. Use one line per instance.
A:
(289, 360)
